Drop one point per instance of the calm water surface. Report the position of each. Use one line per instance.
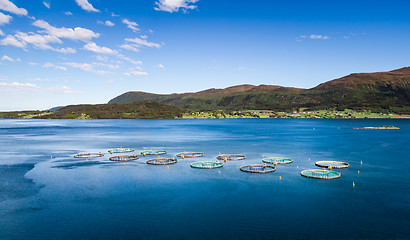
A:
(64, 198)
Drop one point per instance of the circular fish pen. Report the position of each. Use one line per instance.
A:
(153, 152)
(258, 168)
(124, 158)
(332, 164)
(230, 157)
(162, 161)
(277, 160)
(207, 165)
(190, 154)
(88, 155)
(320, 174)
(121, 150)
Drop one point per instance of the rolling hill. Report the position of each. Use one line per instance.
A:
(380, 91)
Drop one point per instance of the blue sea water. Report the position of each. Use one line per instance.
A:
(65, 198)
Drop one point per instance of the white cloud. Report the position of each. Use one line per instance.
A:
(143, 42)
(129, 47)
(7, 58)
(85, 67)
(85, 5)
(68, 13)
(77, 33)
(135, 72)
(8, 6)
(39, 41)
(4, 19)
(106, 23)
(114, 15)
(47, 5)
(131, 25)
(18, 86)
(109, 23)
(314, 36)
(161, 66)
(50, 65)
(144, 36)
(110, 66)
(101, 58)
(12, 41)
(174, 5)
(91, 46)
(129, 59)
(1, 33)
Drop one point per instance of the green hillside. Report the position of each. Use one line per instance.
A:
(134, 110)
(380, 92)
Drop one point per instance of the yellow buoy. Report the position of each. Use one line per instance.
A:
(361, 162)
(358, 172)
(124, 163)
(330, 167)
(280, 177)
(86, 159)
(182, 156)
(167, 166)
(309, 158)
(219, 171)
(354, 184)
(297, 166)
(51, 156)
(243, 162)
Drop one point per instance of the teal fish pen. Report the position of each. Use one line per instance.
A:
(230, 157)
(277, 160)
(121, 150)
(320, 174)
(88, 155)
(124, 158)
(207, 164)
(153, 152)
(162, 161)
(332, 164)
(258, 168)
(190, 154)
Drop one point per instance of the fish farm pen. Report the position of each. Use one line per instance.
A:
(230, 157)
(153, 152)
(124, 158)
(258, 168)
(207, 164)
(162, 161)
(88, 155)
(332, 164)
(190, 154)
(277, 160)
(320, 174)
(121, 150)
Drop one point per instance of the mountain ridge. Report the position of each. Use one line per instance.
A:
(383, 91)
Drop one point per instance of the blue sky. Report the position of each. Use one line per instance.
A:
(57, 52)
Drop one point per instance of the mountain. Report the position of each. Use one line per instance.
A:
(380, 91)
(134, 110)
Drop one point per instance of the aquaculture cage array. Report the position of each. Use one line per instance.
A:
(121, 150)
(124, 158)
(258, 168)
(88, 155)
(153, 152)
(162, 161)
(190, 154)
(277, 160)
(230, 157)
(332, 164)
(320, 174)
(207, 164)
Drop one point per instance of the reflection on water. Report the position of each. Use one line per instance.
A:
(46, 193)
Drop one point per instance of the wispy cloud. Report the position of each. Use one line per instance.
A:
(10, 40)
(47, 5)
(77, 33)
(51, 65)
(138, 42)
(5, 19)
(161, 66)
(68, 13)
(174, 5)
(313, 36)
(93, 47)
(7, 58)
(85, 67)
(129, 47)
(85, 5)
(39, 41)
(135, 72)
(8, 6)
(131, 25)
